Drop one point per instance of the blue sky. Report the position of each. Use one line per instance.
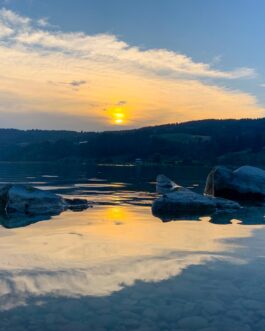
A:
(224, 34)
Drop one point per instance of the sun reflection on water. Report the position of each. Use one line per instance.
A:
(97, 250)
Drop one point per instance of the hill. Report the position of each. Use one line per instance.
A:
(205, 141)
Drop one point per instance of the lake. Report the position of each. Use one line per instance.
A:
(117, 267)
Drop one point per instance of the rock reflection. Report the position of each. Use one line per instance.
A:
(248, 215)
(13, 222)
(19, 220)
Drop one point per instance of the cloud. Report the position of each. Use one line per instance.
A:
(10, 17)
(74, 83)
(39, 63)
(43, 22)
(216, 59)
(5, 30)
(108, 48)
(121, 103)
(77, 83)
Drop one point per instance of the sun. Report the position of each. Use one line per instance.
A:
(118, 118)
(118, 115)
(119, 121)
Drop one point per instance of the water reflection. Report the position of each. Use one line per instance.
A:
(116, 267)
(100, 251)
(16, 221)
(216, 296)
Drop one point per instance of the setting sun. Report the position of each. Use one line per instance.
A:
(118, 121)
(118, 117)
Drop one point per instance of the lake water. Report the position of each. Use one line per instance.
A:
(117, 267)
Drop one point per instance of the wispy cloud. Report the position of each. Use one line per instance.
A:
(107, 48)
(77, 83)
(158, 85)
(43, 22)
(11, 18)
(121, 103)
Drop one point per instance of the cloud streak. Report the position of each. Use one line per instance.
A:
(107, 48)
(158, 85)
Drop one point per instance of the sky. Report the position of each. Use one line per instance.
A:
(119, 64)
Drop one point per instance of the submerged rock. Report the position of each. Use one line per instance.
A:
(28, 200)
(184, 202)
(245, 183)
(76, 204)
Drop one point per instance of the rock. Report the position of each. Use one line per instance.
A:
(225, 204)
(184, 202)
(77, 204)
(245, 183)
(165, 185)
(3, 197)
(27, 200)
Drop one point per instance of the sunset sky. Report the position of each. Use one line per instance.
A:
(117, 64)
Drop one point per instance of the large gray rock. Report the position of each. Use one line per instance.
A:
(28, 200)
(245, 183)
(184, 202)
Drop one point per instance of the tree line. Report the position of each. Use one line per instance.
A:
(205, 141)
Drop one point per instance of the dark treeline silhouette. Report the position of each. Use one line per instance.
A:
(205, 141)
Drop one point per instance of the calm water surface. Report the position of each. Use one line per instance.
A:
(117, 267)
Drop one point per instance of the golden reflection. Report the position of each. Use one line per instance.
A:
(116, 214)
(97, 250)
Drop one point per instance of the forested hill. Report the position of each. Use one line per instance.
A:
(206, 141)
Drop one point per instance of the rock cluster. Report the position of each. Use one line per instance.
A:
(224, 189)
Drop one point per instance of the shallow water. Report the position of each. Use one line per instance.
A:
(117, 267)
